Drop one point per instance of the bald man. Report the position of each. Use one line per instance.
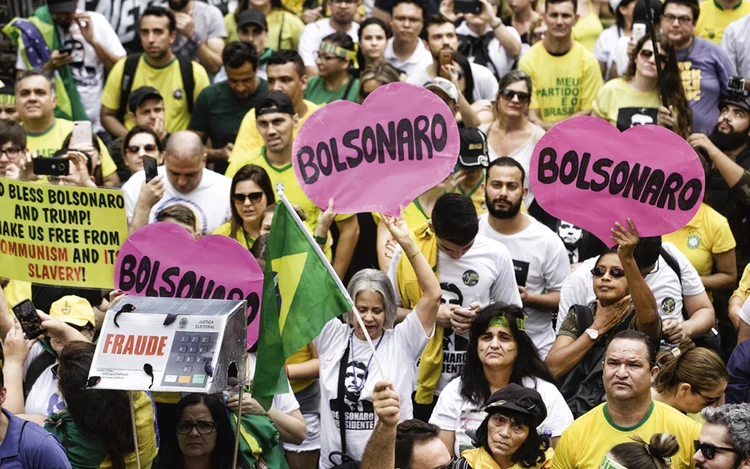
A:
(183, 179)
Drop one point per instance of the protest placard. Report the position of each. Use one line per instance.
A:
(586, 172)
(58, 235)
(163, 260)
(377, 156)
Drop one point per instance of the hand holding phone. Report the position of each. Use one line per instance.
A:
(29, 319)
(52, 166)
(82, 136)
(149, 167)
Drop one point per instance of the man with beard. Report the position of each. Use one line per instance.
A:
(86, 49)
(728, 149)
(724, 442)
(158, 69)
(341, 20)
(200, 33)
(539, 255)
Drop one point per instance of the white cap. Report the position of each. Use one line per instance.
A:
(441, 84)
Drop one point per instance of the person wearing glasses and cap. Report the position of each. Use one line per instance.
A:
(336, 60)
(473, 159)
(508, 437)
(724, 442)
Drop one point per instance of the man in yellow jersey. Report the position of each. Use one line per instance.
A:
(275, 121)
(629, 367)
(36, 101)
(286, 73)
(565, 75)
(159, 68)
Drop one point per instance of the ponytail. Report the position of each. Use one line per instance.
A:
(656, 454)
(701, 368)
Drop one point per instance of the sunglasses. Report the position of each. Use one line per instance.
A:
(709, 400)
(647, 54)
(254, 197)
(146, 147)
(510, 94)
(615, 272)
(708, 450)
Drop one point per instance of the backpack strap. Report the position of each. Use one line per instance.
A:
(188, 81)
(675, 266)
(37, 366)
(584, 317)
(128, 75)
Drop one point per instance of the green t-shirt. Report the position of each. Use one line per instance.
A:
(218, 112)
(316, 91)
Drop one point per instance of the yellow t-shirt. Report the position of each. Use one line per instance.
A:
(249, 140)
(16, 291)
(47, 143)
(587, 29)
(563, 85)
(624, 107)
(414, 215)
(284, 29)
(586, 441)
(168, 82)
(743, 290)
(479, 458)
(477, 196)
(713, 20)
(241, 237)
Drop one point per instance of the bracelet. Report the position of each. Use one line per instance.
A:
(412, 256)
(320, 239)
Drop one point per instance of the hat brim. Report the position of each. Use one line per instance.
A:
(741, 104)
(256, 23)
(63, 7)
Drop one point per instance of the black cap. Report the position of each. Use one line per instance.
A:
(275, 101)
(474, 152)
(741, 99)
(639, 12)
(518, 400)
(252, 16)
(62, 6)
(142, 94)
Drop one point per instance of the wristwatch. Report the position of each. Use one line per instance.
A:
(593, 333)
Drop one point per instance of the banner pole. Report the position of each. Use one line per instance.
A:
(654, 43)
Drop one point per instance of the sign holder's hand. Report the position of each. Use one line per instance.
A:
(325, 220)
(626, 239)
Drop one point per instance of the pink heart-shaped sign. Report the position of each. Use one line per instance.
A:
(163, 260)
(378, 156)
(586, 172)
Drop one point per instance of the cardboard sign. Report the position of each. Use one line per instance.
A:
(56, 235)
(378, 156)
(163, 260)
(586, 172)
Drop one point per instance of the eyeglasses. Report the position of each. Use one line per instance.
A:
(11, 152)
(450, 465)
(615, 272)
(647, 54)
(709, 400)
(254, 197)
(510, 94)
(682, 19)
(204, 427)
(708, 450)
(146, 147)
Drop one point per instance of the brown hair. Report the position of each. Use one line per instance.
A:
(701, 368)
(655, 454)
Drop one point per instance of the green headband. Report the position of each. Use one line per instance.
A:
(339, 51)
(608, 463)
(502, 321)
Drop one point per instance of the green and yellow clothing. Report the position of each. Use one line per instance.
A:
(168, 82)
(318, 93)
(86, 451)
(587, 29)
(479, 458)
(586, 441)
(284, 29)
(240, 236)
(48, 142)
(249, 141)
(714, 19)
(563, 85)
(625, 107)
(708, 233)
(477, 196)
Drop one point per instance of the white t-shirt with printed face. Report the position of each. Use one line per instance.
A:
(210, 200)
(541, 266)
(578, 288)
(88, 71)
(453, 413)
(398, 349)
(484, 274)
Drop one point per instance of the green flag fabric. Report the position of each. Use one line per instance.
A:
(300, 295)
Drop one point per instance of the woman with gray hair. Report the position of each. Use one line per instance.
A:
(348, 367)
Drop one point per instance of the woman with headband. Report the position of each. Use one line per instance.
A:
(336, 59)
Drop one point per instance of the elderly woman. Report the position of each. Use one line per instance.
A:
(348, 366)
(508, 436)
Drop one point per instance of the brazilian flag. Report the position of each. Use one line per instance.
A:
(309, 295)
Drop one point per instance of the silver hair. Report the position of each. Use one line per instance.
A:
(736, 417)
(376, 281)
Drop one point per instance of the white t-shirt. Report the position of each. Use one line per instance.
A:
(399, 348)
(88, 71)
(420, 59)
(285, 403)
(578, 288)
(44, 397)
(736, 43)
(210, 200)
(313, 34)
(453, 413)
(483, 275)
(605, 46)
(485, 83)
(501, 60)
(620, 56)
(541, 266)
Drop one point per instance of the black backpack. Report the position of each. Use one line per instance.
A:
(128, 74)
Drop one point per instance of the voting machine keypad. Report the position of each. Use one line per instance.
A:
(186, 366)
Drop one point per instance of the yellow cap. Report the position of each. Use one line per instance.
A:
(73, 310)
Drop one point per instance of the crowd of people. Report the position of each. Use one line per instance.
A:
(501, 336)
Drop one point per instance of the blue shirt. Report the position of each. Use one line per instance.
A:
(35, 449)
